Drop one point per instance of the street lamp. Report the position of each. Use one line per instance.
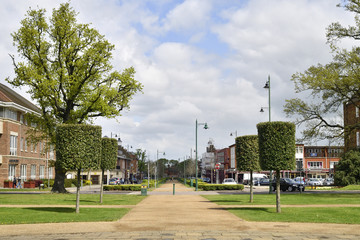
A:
(196, 164)
(157, 159)
(234, 133)
(267, 86)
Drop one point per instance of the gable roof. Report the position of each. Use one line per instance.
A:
(7, 95)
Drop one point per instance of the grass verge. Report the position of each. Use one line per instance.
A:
(342, 215)
(56, 215)
(286, 199)
(69, 199)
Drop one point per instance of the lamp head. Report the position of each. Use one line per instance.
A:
(206, 126)
(261, 110)
(267, 85)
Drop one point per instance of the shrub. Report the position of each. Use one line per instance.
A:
(215, 187)
(128, 187)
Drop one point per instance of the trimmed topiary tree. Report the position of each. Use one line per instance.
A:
(277, 149)
(247, 156)
(78, 146)
(109, 150)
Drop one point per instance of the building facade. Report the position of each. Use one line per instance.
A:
(351, 120)
(19, 157)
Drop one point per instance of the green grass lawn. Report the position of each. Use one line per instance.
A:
(286, 199)
(344, 215)
(55, 215)
(69, 199)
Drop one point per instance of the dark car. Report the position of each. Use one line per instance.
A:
(287, 184)
(264, 182)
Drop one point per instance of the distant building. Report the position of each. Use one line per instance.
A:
(18, 156)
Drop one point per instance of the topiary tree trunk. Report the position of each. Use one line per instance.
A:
(277, 150)
(78, 146)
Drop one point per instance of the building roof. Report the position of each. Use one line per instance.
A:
(8, 95)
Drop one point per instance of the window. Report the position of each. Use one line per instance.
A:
(21, 118)
(51, 152)
(358, 139)
(11, 114)
(11, 172)
(33, 171)
(315, 165)
(42, 172)
(13, 145)
(1, 112)
(23, 172)
(357, 112)
(50, 169)
(22, 144)
(25, 145)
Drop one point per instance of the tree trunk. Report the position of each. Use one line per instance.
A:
(78, 192)
(251, 186)
(101, 186)
(278, 206)
(59, 182)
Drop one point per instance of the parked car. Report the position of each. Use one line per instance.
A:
(114, 181)
(287, 184)
(207, 180)
(300, 180)
(264, 182)
(328, 182)
(314, 182)
(229, 181)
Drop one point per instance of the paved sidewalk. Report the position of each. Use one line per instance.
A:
(185, 215)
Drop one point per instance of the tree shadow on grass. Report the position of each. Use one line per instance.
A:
(52, 209)
(248, 209)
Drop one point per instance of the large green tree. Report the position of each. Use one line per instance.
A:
(247, 156)
(326, 87)
(348, 170)
(66, 67)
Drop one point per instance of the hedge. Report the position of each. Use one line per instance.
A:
(214, 187)
(128, 187)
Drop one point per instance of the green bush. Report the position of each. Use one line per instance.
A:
(128, 187)
(215, 187)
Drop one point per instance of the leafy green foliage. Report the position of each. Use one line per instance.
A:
(347, 171)
(276, 145)
(330, 85)
(78, 146)
(247, 153)
(129, 187)
(214, 187)
(67, 68)
(109, 149)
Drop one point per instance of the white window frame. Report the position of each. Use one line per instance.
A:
(50, 172)
(23, 169)
(33, 172)
(357, 139)
(25, 145)
(41, 171)
(13, 145)
(11, 172)
(21, 144)
(357, 112)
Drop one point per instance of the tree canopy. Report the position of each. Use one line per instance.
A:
(330, 85)
(66, 67)
(348, 169)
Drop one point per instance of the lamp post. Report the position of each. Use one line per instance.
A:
(196, 164)
(157, 159)
(267, 85)
(234, 133)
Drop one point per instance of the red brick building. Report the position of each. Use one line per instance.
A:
(18, 156)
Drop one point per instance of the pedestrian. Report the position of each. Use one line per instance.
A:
(14, 182)
(18, 183)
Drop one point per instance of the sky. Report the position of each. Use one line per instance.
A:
(204, 60)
